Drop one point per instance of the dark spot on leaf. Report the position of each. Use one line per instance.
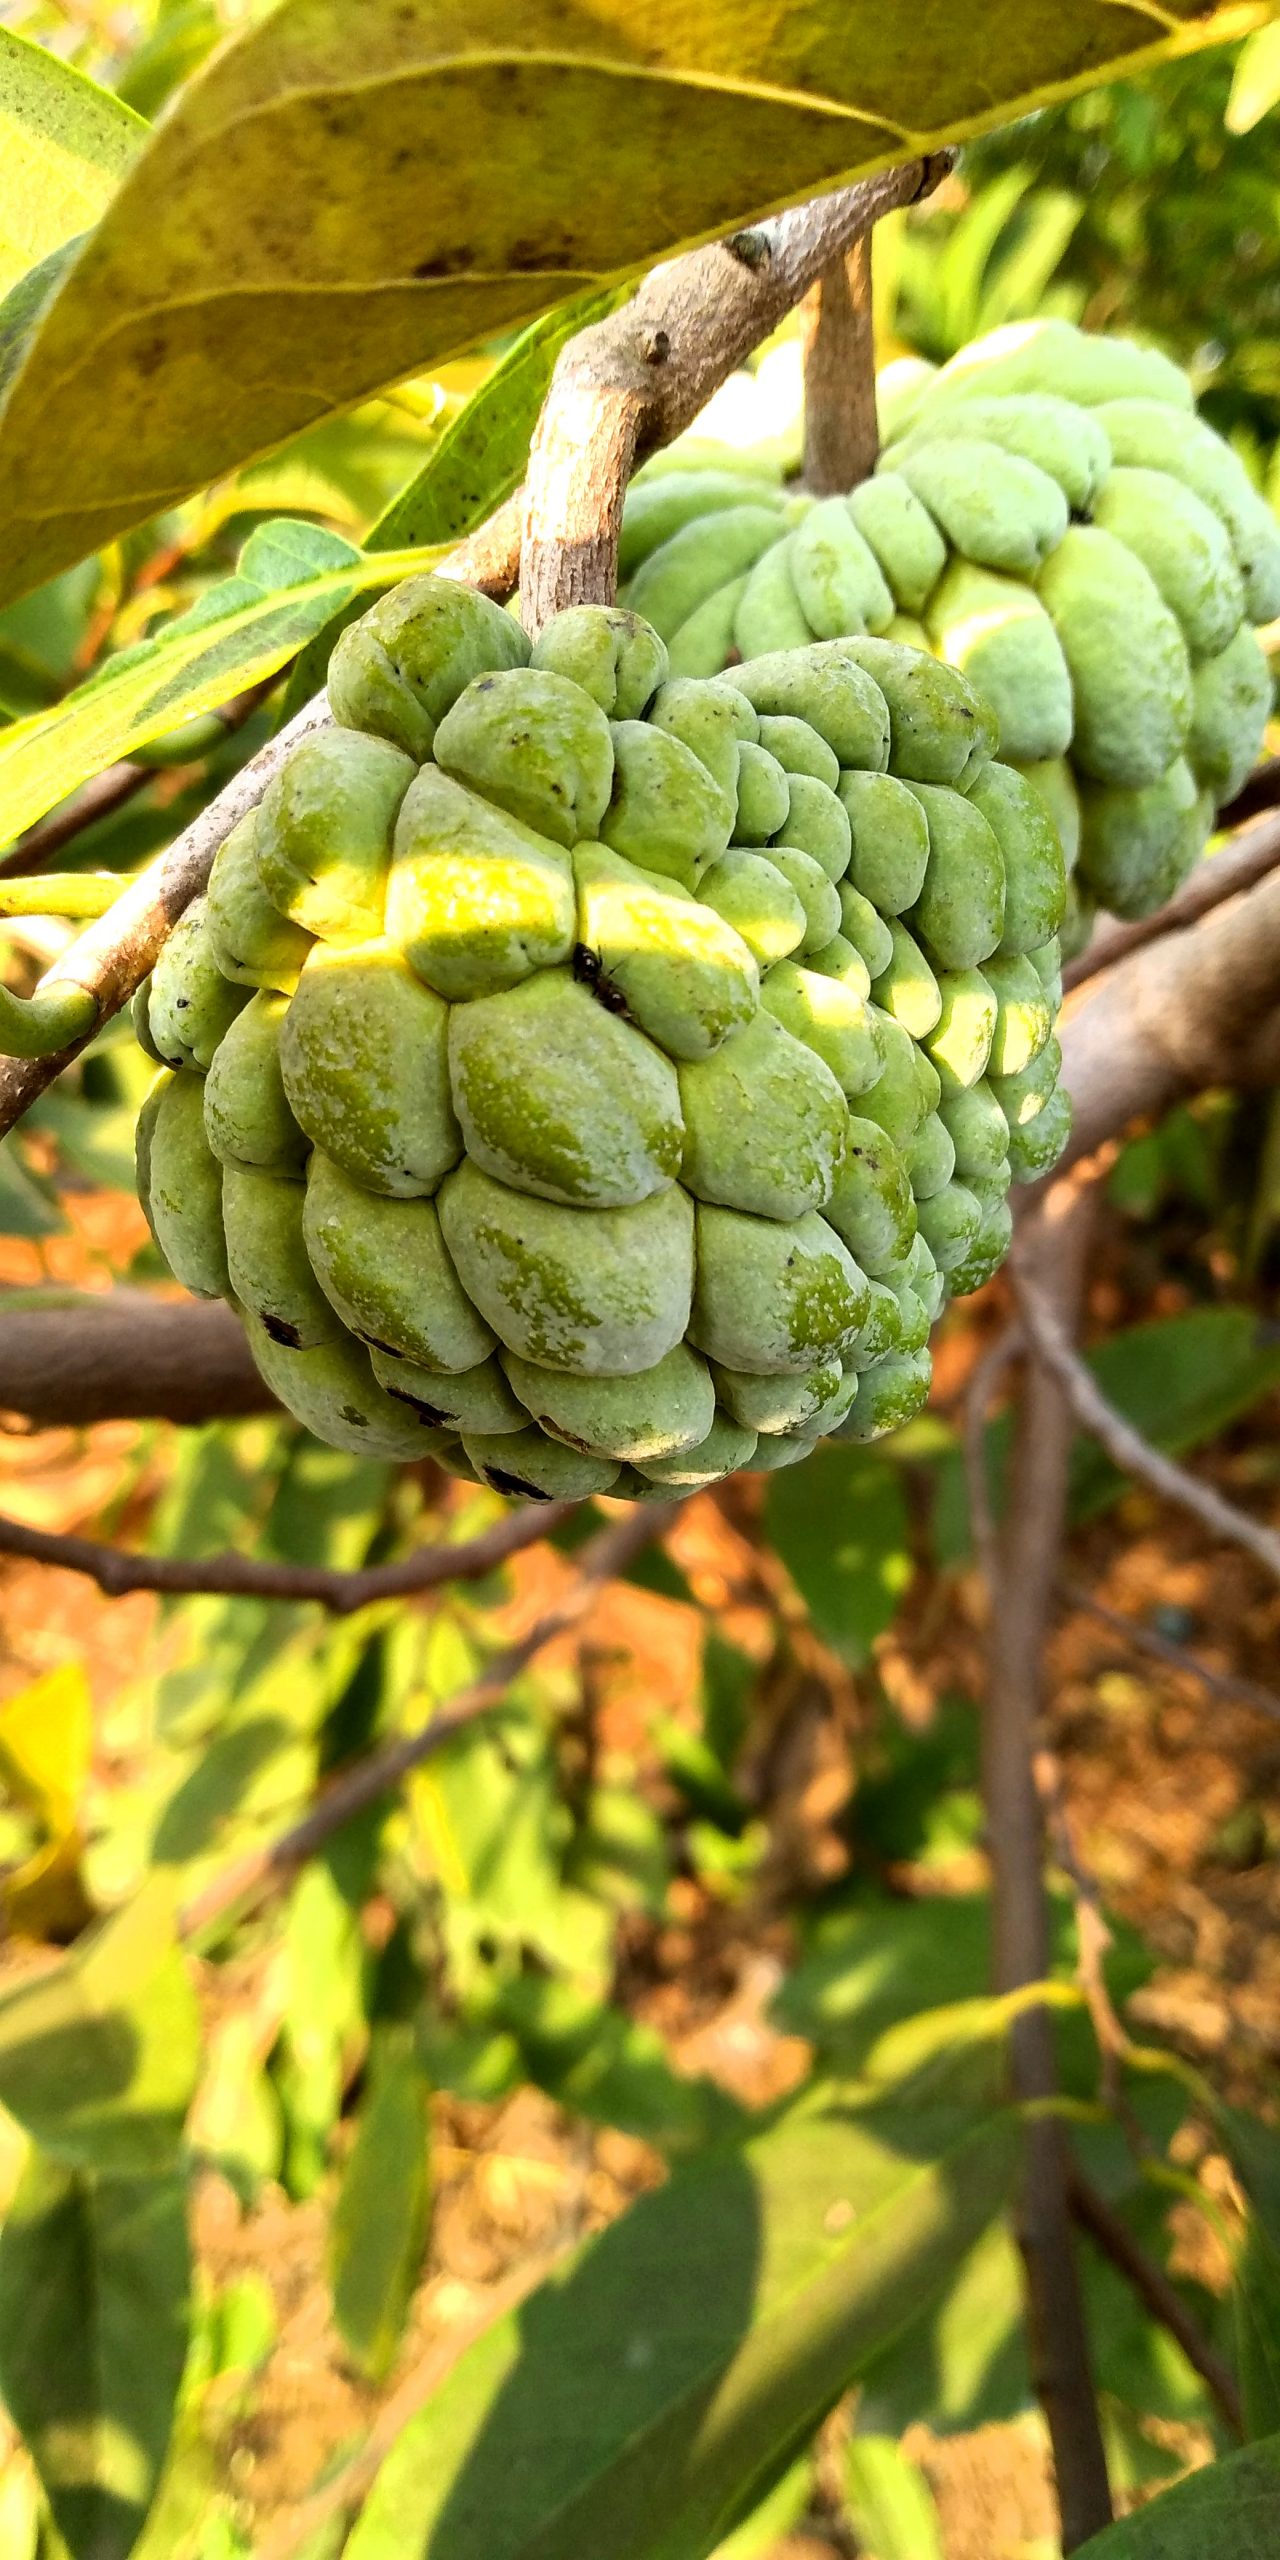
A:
(451, 262)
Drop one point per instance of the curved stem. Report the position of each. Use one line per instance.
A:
(42, 1025)
(61, 893)
(841, 432)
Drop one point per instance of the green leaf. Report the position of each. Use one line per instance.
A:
(450, 174)
(481, 456)
(289, 579)
(379, 2224)
(322, 1963)
(840, 1525)
(98, 2058)
(1253, 2148)
(1255, 88)
(25, 301)
(1225, 2512)
(94, 2313)
(473, 466)
(890, 2502)
(646, 2396)
(65, 145)
(758, 2537)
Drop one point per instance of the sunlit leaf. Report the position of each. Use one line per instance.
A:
(324, 2012)
(451, 173)
(890, 2501)
(98, 2057)
(647, 2396)
(1255, 88)
(46, 1742)
(93, 2335)
(65, 145)
(380, 2218)
(290, 577)
(757, 2538)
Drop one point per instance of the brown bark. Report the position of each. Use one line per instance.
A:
(841, 430)
(1250, 855)
(1196, 1008)
(124, 1355)
(1053, 1245)
(638, 379)
(116, 1570)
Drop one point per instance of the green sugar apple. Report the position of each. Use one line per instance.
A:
(598, 1079)
(1050, 517)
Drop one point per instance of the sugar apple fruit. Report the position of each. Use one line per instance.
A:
(1050, 516)
(596, 1078)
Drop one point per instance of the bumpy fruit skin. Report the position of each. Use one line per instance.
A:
(586, 1075)
(1050, 518)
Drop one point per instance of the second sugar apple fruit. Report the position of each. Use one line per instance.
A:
(587, 1076)
(1050, 517)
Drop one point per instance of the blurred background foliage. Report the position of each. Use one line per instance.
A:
(715, 1854)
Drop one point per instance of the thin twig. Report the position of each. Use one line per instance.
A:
(1175, 1657)
(1247, 857)
(1056, 1235)
(1126, 1447)
(1093, 1936)
(98, 798)
(629, 385)
(247, 1878)
(841, 431)
(112, 958)
(978, 1398)
(1159, 2294)
(239, 1577)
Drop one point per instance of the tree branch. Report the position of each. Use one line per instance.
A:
(123, 1355)
(1159, 2295)
(239, 1577)
(841, 430)
(1126, 1447)
(112, 958)
(98, 798)
(1055, 1238)
(638, 379)
(1199, 1007)
(244, 1881)
(1248, 857)
(1175, 1657)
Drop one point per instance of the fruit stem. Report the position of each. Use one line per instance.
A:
(841, 434)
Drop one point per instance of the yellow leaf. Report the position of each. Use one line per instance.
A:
(64, 146)
(314, 217)
(1255, 87)
(46, 1743)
